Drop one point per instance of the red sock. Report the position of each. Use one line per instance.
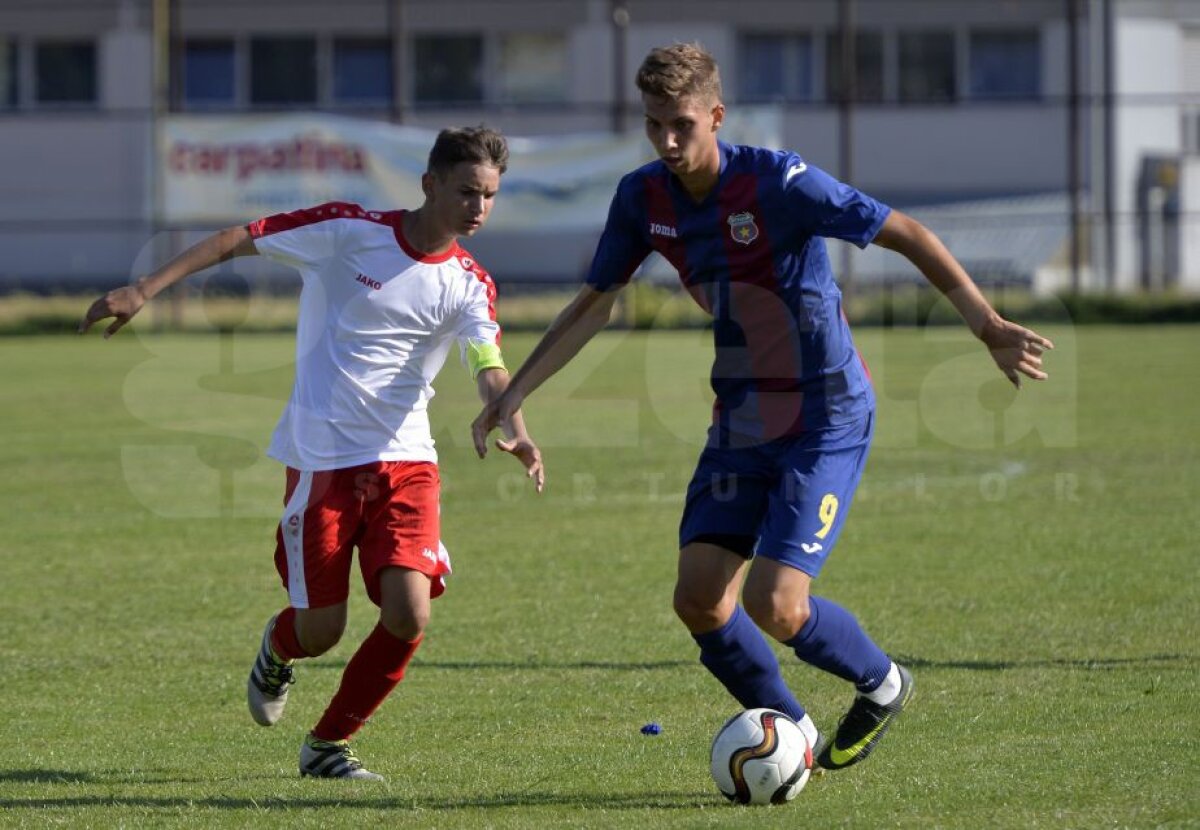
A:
(370, 676)
(284, 641)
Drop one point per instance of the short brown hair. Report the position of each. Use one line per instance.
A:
(477, 145)
(681, 70)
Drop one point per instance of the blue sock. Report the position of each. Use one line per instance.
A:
(833, 640)
(738, 655)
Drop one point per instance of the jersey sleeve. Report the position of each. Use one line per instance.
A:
(824, 206)
(477, 331)
(302, 238)
(622, 246)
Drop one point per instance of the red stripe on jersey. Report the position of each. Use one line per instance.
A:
(472, 266)
(310, 216)
(660, 212)
(767, 323)
(665, 236)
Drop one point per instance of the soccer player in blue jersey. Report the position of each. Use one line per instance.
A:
(794, 410)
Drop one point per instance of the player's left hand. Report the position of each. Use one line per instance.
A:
(493, 414)
(528, 454)
(1016, 350)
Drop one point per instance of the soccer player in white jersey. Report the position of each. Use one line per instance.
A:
(385, 295)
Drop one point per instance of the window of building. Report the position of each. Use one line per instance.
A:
(448, 69)
(283, 70)
(65, 72)
(8, 73)
(926, 67)
(362, 71)
(209, 76)
(868, 63)
(533, 68)
(775, 67)
(1005, 64)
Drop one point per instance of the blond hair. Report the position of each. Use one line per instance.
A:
(681, 70)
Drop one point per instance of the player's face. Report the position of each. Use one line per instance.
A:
(684, 133)
(462, 199)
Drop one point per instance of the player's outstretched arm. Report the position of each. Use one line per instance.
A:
(575, 325)
(1016, 349)
(491, 384)
(122, 303)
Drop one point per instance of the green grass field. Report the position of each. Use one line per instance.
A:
(1030, 556)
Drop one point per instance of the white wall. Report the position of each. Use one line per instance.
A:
(1189, 231)
(1148, 68)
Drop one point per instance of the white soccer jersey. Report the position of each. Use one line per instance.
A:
(377, 319)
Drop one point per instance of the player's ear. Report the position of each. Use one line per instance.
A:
(718, 115)
(427, 184)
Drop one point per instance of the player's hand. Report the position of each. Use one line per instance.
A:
(121, 303)
(528, 454)
(491, 416)
(1016, 350)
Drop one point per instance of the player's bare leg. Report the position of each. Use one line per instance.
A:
(776, 598)
(707, 586)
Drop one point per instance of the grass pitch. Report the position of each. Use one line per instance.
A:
(1029, 556)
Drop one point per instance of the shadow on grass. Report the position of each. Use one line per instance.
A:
(46, 776)
(58, 776)
(1089, 663)
(608, 801)
(518, 665)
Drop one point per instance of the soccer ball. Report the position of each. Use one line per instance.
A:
(761, 756)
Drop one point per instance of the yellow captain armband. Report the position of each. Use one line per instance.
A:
(482, 355)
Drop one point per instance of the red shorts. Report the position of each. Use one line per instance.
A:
(387, 509)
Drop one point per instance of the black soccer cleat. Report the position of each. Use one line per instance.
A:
(863, 726)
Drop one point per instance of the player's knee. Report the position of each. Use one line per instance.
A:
(777, 617)
(405, 623)
(699, 612)
(321, 637)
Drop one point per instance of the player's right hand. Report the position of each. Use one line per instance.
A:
(529, 455)
(121, 303)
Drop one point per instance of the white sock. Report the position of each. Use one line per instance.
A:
(888, 689)
(809, 729)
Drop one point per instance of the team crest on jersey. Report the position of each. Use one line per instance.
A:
(467, 262)
(742, 227)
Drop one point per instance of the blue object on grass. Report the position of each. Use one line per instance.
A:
(651, 729)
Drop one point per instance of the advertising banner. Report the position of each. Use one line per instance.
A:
(216, 169)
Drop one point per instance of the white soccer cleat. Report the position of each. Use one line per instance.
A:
(332, 759)
(267, 688)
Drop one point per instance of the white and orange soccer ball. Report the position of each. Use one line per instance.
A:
(761, 756)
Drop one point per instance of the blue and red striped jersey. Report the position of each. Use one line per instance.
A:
(752, 254)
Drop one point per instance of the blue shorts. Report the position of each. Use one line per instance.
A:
(786, 500)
